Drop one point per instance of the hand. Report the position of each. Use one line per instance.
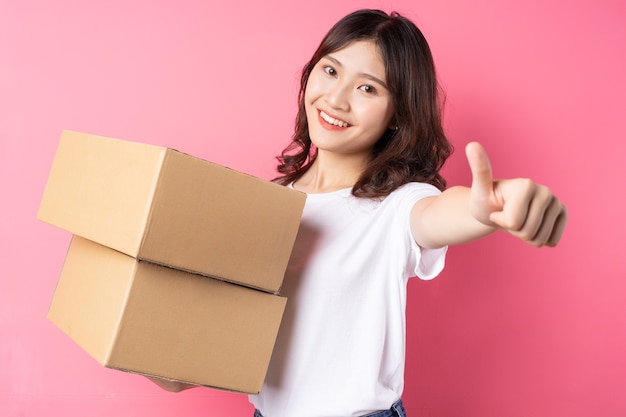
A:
(523, 208)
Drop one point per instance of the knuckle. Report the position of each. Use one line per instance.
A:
(547, 195)
(527, 236)
(527, 184)
(516, 221)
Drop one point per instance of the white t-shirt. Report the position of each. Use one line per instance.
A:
(341, 345)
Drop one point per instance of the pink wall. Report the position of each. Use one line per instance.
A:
(507, 330)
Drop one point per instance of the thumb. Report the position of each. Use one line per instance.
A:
(482, 177)
(483, 204)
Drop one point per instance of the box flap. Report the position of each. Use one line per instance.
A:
(91, 294)
(212, 220)
(101, 189)
(191, 328)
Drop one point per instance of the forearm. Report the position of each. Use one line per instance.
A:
(446, 220)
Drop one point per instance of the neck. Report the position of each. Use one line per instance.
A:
(330, 172)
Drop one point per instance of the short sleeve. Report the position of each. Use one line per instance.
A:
(426, 264)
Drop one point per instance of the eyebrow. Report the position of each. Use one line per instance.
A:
(363, 74)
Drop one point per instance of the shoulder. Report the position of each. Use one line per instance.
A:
(412, 192)
(400, 202)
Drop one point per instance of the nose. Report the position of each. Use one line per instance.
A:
(338, 96)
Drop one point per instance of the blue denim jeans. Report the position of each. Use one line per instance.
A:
(396, 410)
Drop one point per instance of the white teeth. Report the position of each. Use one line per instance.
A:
(333, 121)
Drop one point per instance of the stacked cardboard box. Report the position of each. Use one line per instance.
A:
(175, 264)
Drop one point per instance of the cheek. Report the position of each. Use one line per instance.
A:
(307, 92)
(378, 116)
(312, 91)
(308, 102)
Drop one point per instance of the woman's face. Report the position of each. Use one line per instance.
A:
(347, 103)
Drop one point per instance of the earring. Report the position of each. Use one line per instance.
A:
(396, 128)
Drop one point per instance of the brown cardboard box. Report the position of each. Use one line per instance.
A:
(166, 207)
(144, 318)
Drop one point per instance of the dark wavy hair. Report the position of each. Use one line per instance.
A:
(418, 148)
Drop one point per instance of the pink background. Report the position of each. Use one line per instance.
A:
(507, 330)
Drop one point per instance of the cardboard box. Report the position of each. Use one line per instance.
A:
(144, 318)
(166, 207)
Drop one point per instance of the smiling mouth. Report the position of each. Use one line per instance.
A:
(333, 121)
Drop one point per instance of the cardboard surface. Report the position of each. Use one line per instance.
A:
(169, 208)
(144, 318)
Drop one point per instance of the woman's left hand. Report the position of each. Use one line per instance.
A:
(523, 208)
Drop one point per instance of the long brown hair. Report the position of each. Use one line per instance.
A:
(418, 148)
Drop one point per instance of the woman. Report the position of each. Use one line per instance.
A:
(367, 150)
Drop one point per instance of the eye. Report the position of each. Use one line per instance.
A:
(368, 89)
(329, 70)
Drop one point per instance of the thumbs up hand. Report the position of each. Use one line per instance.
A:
(523, 208)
